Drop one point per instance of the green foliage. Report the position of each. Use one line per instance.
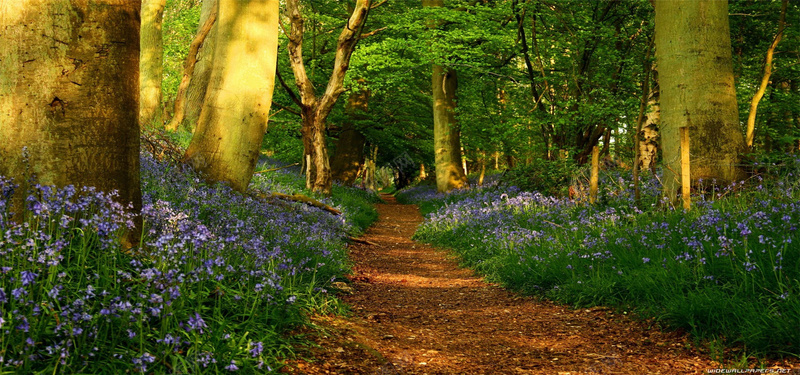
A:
(727, 271)
(181, 18)
(549, 177)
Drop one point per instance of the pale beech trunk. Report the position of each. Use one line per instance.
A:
(693, 48)
(349, 156)
(69, 85)
(751, 118)
(315, 110)
(446, 131)
(151, 64)
(196, 91)
(225, 146)
(648, 136)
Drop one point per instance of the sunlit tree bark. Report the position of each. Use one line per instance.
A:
(69, 85)
(693, 49)
(225, 146)
(751, 118)
(151, 63)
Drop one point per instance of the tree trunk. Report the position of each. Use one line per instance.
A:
(151, 64)
(693, 48)
(225, 146)
(69, 87)
(196, 91)
(446, 131)
(751, 118)
(370, 166)
(648, 136)
(315, 110)
(189, 65)
(350, 147)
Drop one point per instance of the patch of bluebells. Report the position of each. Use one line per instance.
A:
(212, 264)
(736, 250)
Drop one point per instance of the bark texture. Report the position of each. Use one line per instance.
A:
(225, 146)
(151, 64)
(349, 154)
(693, 49)
(69, 85)
(315, 110)
(446, 131)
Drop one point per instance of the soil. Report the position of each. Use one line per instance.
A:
(414, 311)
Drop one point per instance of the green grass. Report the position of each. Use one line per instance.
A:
(727, 272)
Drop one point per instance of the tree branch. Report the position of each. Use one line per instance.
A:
(287, 88)
(344, 50)
(371, 33)
(285, 108)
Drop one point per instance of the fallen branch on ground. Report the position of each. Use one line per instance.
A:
(365, 242)
(302, 199)
(276, 169)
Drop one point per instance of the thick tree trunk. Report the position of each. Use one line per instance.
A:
(315, 110)
(151, 64)
(751, 118)
(349, 154)
(693, 48)
(225, 146)
(69, 86)
(446, 131)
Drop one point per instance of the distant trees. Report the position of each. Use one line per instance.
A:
(226, 143)
(69, 79)
(697, 90)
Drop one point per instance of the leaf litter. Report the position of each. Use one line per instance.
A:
(414, 311)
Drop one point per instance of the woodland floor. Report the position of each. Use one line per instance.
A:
(414, 311)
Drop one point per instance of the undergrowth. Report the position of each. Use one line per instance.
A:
(219, 280)
(728, 271)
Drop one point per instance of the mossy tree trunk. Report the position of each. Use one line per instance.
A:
(446, 130)
(225, 146)
(69, 87)
(151, 64)
(693, 49)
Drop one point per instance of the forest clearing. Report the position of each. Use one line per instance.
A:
(399, 186)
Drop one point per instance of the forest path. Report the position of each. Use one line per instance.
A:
(414, 311)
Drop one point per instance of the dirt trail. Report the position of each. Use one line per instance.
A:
(416, 312)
